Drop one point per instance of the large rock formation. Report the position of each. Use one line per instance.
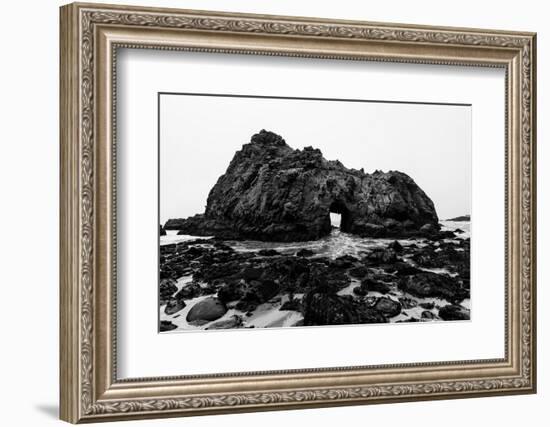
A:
(273, 192)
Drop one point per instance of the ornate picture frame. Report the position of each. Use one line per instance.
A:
(90, 37)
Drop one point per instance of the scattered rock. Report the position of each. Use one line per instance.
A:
(292, 305)
(360, 291)
(208, 309)
(261, 291)
(388, 307)
(428, 315)
(396, 246)
(454, 312)
(408, 303)
(231, 291)
(427, 305)
(402, 269)
(429, 284)
(166, 326)
(252, 273)
(235, 321)
(370, 301)
(189, 291)
(328, 309)
(268, 252)
(381, 256)
(305, 252)
(358, 272)
(167, 288)
(345, 261)
(375, 286)
(174, 305)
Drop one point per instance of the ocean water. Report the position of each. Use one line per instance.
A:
(332, 246)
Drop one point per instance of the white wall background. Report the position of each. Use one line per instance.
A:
(29, 173)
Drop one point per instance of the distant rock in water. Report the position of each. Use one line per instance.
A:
(460, 218)
(272, 192)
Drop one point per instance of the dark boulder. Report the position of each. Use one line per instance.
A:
(388, 307)
(268, 252)
(328, 309)
(408, 303)
(344, 261)
(166, 325)
(234, 321)
(252, 273)
(331, 309)
(162, 231)
(360, 291)
(191, 290)
(358, 272)
(428, 315)
(231, 291)
(262, 290)
(370, 315)
(292, 305)
(375, 286)
(167, 288)
(402, 269)
(208, 309)
(381, 256)
(429, 284)
(454, 312)
(174, 305)
(305, 252)
(396, 246)
(275, 193)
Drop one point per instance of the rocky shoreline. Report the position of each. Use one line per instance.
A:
(208, 284)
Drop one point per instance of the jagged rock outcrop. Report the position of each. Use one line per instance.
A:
(275, 193)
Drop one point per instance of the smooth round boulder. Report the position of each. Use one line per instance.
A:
(208, 309)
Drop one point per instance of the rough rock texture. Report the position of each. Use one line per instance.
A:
(275, 193)
(227, 279)
(454, 312)
(174, 305)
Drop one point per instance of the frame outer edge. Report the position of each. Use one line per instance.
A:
(533, 206)
(77, 339)
(69, 390)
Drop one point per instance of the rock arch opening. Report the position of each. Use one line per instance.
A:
(340, 216)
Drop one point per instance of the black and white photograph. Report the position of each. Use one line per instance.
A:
(299, 212)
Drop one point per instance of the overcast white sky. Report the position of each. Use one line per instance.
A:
(200, 134)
